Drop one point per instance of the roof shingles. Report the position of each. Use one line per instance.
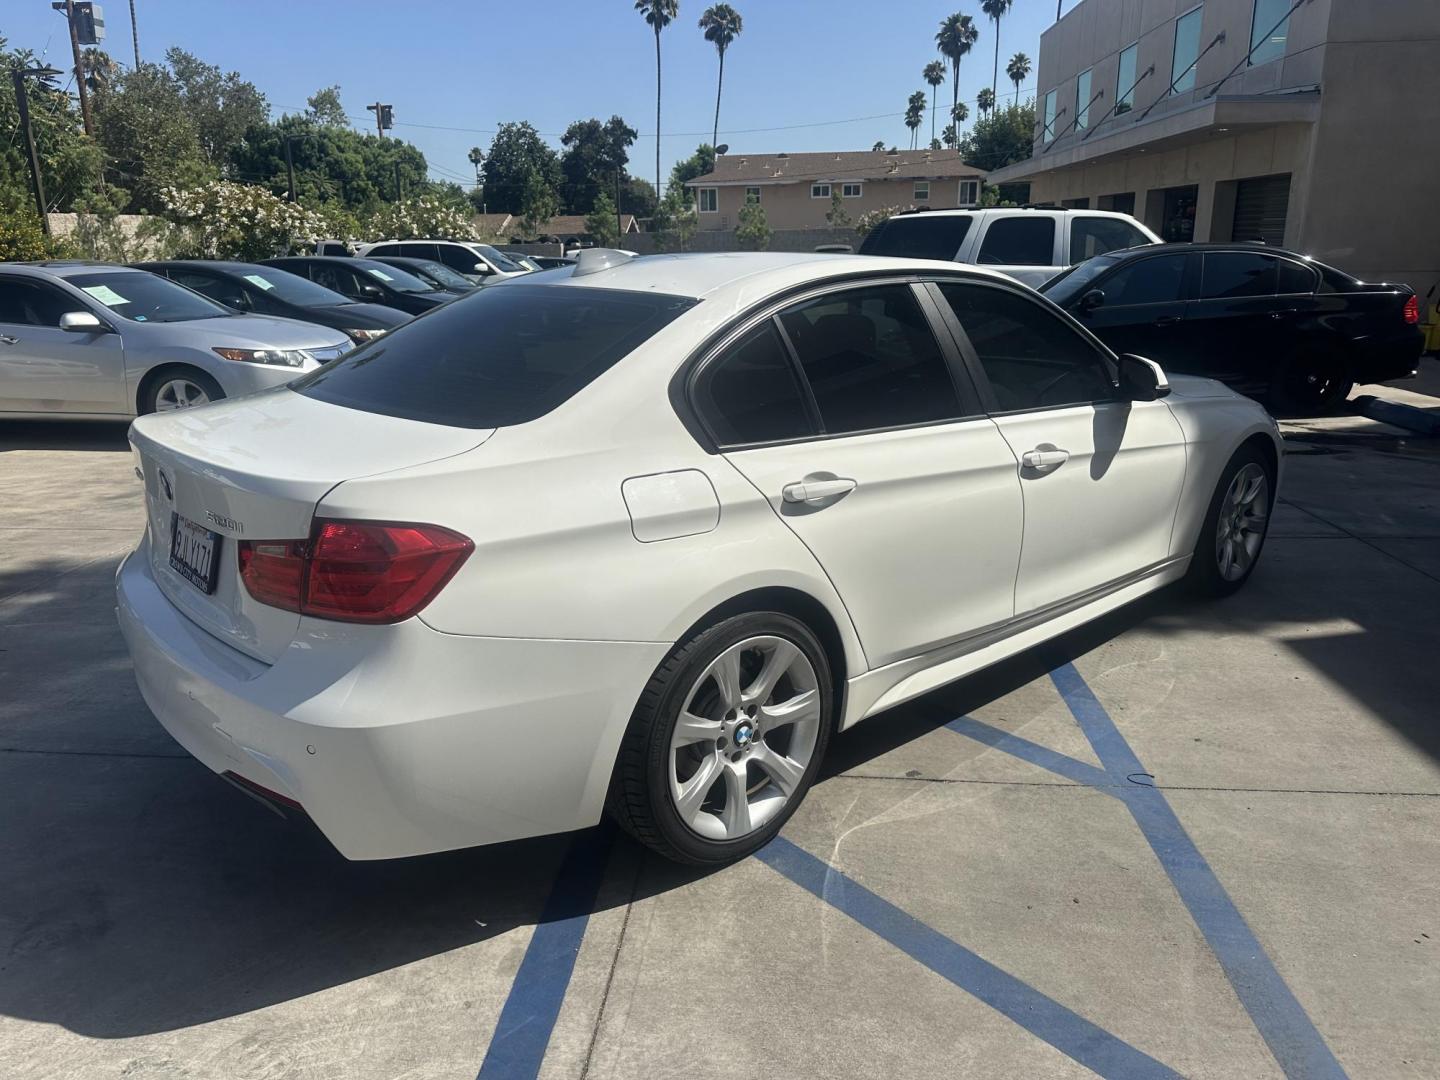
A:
(835, 166)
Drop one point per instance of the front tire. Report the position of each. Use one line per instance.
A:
(1235, 527)
(178, 388)
(726, 739)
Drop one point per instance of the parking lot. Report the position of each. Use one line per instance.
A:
(1194, 839)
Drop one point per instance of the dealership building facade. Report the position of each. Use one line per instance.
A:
(1313, 124)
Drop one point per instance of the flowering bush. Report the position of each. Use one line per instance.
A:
(871, 218)
(224, 220)
(425, 218)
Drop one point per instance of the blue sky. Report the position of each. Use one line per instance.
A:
(471, 65)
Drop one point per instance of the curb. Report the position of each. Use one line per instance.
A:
(1392, 412)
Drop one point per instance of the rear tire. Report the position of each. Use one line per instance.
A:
(756, 699)
(1233, 535)
(178, 388)
(1312, 382)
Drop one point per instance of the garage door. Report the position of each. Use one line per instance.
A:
(1260, 207)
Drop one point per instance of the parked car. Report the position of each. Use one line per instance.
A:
(267, 290)
(1031, 244)
(553, 262)
(436, 274)
(480, 263)
(95, 340)
(1268, 322)
(366, 281)
(527, 261)
(735, 503)
(334, 247)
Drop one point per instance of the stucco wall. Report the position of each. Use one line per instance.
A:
(789, 206)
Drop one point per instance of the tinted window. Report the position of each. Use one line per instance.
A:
(1032, 359)
(871, 360)
(498, 357)
(418, 251)
(1230, 274)
(1295, 278)
(918, 236)
(142, 297)
(392, 277)
(1091, 236)
(384, 249)
(338, 279)
(1019, 241)
(458, 258)
(31, 303)
(1146, 281)
(751, 394)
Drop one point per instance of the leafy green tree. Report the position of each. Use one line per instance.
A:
(996, 9)
(594, 154)
(239, 221)
(658, 13)
(949, 136)
(222, 106)
(934, 74)
(150, 139)
(674, 221)
(21, 238)
(324, 108)
(722, 25)
(1017, 70)
(427, 217)
(538, 203)
(753, 231)
(518, 159)
(985, 100)
(878, 147)
(935, 144)
(915, 114)
(871, 218)
(637, 196)
(600, 223)
(69, 162)
(696, 165)
(1001, 138)
(837, 215)
(100, 70)
(956, 38)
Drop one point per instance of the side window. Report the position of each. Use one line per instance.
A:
(871, 360)
(205, 285)
(1091, 236)
(1019, 241)
(332, 277)
(1031, 359)
(750, 394)
(384, 249)
(31, 303)
(1295, 278)
(1233, 274)
(462, 260)
(421, 251)
(1146, 281)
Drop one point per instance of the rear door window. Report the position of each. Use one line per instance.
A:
(1233, 274)
(750, 393)
(1091, 236)
(919, 236)
(460, 259)
(504, 356)
(1019, 241)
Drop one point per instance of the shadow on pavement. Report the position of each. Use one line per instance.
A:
(92, 435)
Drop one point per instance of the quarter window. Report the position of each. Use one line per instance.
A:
(1295, 278)
(1031, 359)
(922, 191)
(750, 394)
(1187, 51)
(1125, 80)
(1231, 274)
(819, 191)
(709, 200)
(850, 191)
(871, 360)
(1091, 236)
(1019, 241)
(752, 194)
(1158, 280)
(1268, 30)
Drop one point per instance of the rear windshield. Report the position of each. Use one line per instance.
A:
(499, 356)
(921, 236)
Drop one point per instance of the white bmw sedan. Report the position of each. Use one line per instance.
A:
(645, 533)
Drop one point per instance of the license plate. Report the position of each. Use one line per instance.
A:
(194, 553)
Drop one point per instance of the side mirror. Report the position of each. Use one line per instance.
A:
(482, 269)
(240, 302)
(367, 289)
(1142, 379)
(82, 322)
(1091, 300)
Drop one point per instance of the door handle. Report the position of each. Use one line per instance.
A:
(816, 491)
(8, 340)
(1282, 313)
(1167, 320)
(1044, 460)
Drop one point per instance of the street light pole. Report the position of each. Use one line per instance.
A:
(67, 8)
(22, 105)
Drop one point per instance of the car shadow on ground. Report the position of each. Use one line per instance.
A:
(92, 435)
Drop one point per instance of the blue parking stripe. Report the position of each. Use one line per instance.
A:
(1043, 1017)
(1282, 1023)
(1035, 754)
(518, 1045)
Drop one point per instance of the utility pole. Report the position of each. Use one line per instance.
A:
(399, 195)
(618, 233)
(67, 8)
(135, 35)
(290, 166)
(384, 117)
(22, 105)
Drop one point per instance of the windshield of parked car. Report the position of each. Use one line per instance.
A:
(142, 297)
(1068, 284)
(393, 276)
(500, 356)
(502, 261)
(441, 275)
(292, 288)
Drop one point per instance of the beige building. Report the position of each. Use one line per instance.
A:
(797, 190)
(1312, 125)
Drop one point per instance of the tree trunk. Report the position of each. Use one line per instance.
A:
(134, 35)
(657, 109)
(995, 71)
(719, 86)
(933, 91)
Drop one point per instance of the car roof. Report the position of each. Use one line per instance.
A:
(1038, 208)
(64, 268)
(1233, 245)
(223, 266)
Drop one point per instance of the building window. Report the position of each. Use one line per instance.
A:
(709, 199)
(1187, 51)
(969, 192)
(1082, 101)
(1125, 81)
(922, 191)
(752, 194)
(819, 191)
(1051, 100)
(1267, 40)
(850, 191)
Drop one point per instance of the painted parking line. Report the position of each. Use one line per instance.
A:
(1042, 1016)
(522, 1034)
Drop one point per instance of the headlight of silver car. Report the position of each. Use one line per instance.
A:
(330, 352)
(275, 357)
(360, 335)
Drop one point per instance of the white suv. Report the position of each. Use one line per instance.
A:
(1030, 244)
(481, 263)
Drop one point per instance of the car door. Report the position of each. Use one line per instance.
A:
(46, 369)
(1141, 309)
(1026, 246)
(843, 410)
(1235, 326)
(1100, 476)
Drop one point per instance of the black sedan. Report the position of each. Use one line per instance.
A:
(436, 273)
(1272, 324)
(367, 281)
(266, 290)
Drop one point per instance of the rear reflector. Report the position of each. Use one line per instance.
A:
(354, 571)
(1412, 310)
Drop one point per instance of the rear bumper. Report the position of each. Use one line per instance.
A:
(396, 740)
(1391, 358)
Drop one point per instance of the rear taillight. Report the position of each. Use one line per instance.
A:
(1412, 310)
(354, 571)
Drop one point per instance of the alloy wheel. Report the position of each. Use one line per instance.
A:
(1244, 515)
(745, 736)
(179, 393)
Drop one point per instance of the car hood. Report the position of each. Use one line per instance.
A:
(361, 316)
(261, 331)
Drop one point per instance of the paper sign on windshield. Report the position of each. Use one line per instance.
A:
(106, 295)
(258, 281)
(380, 274)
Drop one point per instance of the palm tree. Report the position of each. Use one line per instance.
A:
(1017, 69)
(934, 75)
(985, 99)
(658, 14)
(99, 69)
(996, 9)
(915, 114)
(957, 37)
(959, 112)
(950, 136)
(722, 24)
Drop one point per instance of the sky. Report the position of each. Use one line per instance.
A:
(833, 75)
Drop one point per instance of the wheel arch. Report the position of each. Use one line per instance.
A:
(160, 371)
